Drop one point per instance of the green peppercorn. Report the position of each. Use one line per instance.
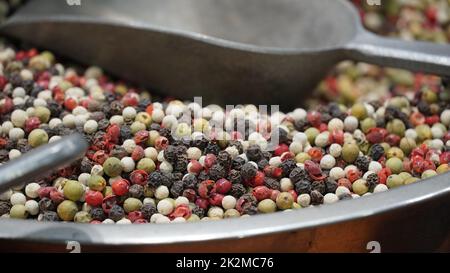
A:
(385, 146)
(39, 63)
(360, 186)
(146, 164)
(149, 191)
(394, 181)
(284, 200)
(311, 133)
(407, 144)
(137, 126)
(399, 102)
(37, 137)
(367, 124)
(67, 210)
(132, 204)
(405, 175)
(194, 218)
(267, 205)
(112, 167)
(48, 56)
(350, 152)
(295, 205)
(396, 127)
(395, 152)
(428, 173)
(107, 191)
(42, 113)
(443, 168)
(64, 85)
(364, 147)
(429, 96)
(144, 118)
(302, 157)
(223, 140)
(82, 217)
(359, 111)
(411, 180)
(73, 190)
(231, 213)
(395, 165)
(423, 132)
(152, 136)
(182, 130)
(18, 211)
(96, 183)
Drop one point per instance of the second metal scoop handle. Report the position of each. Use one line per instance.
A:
(416, 56)
(40, 161)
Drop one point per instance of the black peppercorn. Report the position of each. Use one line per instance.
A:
(125, 132)
(50, 216)
(200, 143)
(319, 186)
(237, 163)
(272, 183)
(136, 191)
(287, 166)
(316, 198)
(212, 148)
(154, 179)
(4, 155)
(86, 165)
(4, 208)
(248, 171)
(303, 186)
(298, 174)
(116, 108)
(262, 163)
(46, 204)
(148, 210)
(103, 124)
(372, 181)
(345, 196)
(203, 175)
(331, 185)
(116, 213)
(97, 214)
(198, 211)
(118, 151)
(170, 154)
(237, 190)
(177, 188)
(253, 153)
(376, 151)
(362, 163)
(190, 181)
(224, 159)
(235, 176)
(181, 163)
(217, 171)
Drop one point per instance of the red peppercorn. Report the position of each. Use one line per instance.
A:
(392, 139)
(281, 149)
(108, 202)
(376, 135)
(70, 103)
(210, 160)
(235, 135)
(190, 194)
(181, 211)
(161, 143)
(383, 175)
(194, 167)
(274, 194)
(140, 221)
(417, 118)
(112, 133)
(100, 157)
(149, 109)
(138, 153)
(286, 155)
(6, 106)
(257, 180)
(202, 203)
(444, 157)
(432, 120)
(130, 99)
(133, 216)
(345, 183)
(139, 177)
(446, 137)
(45, 191)
(56, 196)
(205, 188)
(95, 222)
(3, 82)
(94, 198)
(294, 194)
(32, 123)
(353, 175)
(315, 154)
(323, 127)
(261, 192)
(314, 170)
(120, 187)
(337, 136)
(215, 199)
(314, 118)
(141, 137)
(223, 186)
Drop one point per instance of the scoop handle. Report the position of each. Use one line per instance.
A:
(423, 57)
(41, 160)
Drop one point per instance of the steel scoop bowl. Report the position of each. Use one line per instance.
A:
(254, 51)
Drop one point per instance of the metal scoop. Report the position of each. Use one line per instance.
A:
(42, 160)
(227, 51)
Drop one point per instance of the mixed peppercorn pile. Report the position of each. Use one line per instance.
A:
(150, 162)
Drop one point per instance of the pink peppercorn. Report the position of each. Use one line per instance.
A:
(138, 153)
(202, 203)
(280, 149)
(56, 196)
(274, 194)
(108, 203)
(261, 192)
(205, 188)
(189, 194)
(94, 198)
(215, 199)
(135, 215)
(120, 187)
(223, 186)
(141, 137)
(139, 177)
(32, 123)
(210, 160)
(161, 143)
